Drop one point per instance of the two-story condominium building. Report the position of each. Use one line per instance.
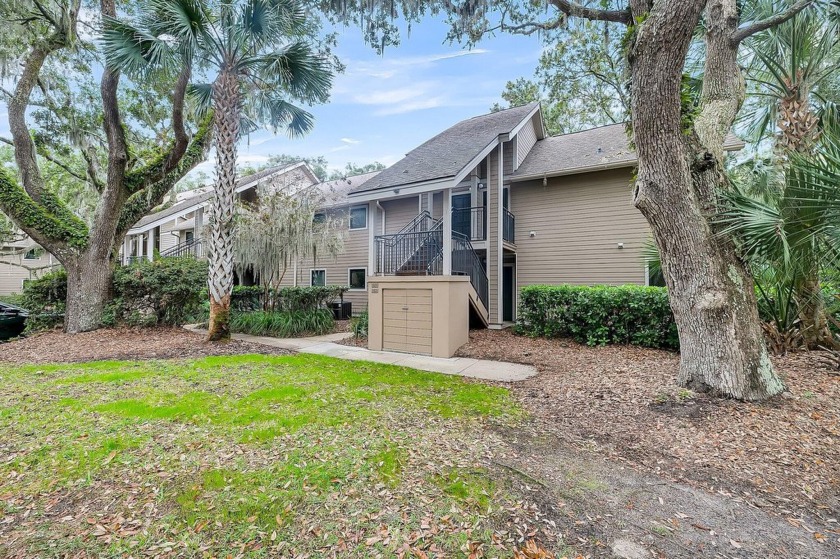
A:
(494, 199)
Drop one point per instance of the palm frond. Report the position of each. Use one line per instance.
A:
(298, 70)
(281, 114)
(133, 50)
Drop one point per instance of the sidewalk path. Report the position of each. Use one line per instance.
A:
(325, 345)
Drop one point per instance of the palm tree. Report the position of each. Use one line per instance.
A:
(795, 90)
(261, 58)
(791, 233)
(792, 71)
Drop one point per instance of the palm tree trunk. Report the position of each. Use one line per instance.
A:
(220, 277)
(812, 313)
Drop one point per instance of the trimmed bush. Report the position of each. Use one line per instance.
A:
(599, 315)
(287, 299)
(167, 291)
(246, 298)
(283, 324)
(45, 299)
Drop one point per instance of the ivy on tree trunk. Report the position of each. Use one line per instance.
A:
(125, 195)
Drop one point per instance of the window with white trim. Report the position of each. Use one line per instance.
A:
(34, 254)
(358, 217)
(317, 278)
(357, 278)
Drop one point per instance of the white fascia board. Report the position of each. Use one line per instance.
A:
(462, 174)
(407, 190)
(167, 219)
(573, 171)
(525, 121)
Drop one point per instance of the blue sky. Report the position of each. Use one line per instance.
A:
(384, 106)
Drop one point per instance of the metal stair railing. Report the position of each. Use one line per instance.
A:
(191, 248)
(466, 262)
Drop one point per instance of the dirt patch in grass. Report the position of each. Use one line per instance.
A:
(120, 344)
(622, 403)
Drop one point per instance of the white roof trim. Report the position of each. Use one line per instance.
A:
(193, 207)
(388, 193)
(574, 171)
(476, 160)
(525, 121)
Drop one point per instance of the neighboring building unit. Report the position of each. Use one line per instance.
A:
(178, 229)
(22, 260)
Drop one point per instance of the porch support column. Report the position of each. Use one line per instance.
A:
(126, 249)
(447, 232)
(499, 209)
(150, 245)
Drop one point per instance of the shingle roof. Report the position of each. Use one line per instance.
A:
(205, 196)
(605, 146)
(335, 192)
(450, 151)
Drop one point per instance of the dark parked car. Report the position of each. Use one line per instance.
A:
(12, 321)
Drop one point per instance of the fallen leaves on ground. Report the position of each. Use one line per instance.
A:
(782, 455)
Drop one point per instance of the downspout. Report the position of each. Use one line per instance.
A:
(381, 209)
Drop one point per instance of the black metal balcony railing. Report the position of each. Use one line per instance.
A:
(508, 226)
(413, 252)
(191, 248)
(470, 222)
(466, 262)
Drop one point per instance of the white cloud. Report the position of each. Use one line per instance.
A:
(400, 85)
(338, 148)
(351, 141)
(415, 105)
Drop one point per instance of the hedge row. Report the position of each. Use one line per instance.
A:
(285, 299)
(167, 291)
(599, 315)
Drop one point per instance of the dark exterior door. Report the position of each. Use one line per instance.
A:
(507, 293)
(461, 214)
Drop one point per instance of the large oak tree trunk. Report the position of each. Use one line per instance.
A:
(680, 172)
(220, 277)
(88, 290)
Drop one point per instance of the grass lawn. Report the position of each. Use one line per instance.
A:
(251, 456)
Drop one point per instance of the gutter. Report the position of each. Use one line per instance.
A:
(575, 171)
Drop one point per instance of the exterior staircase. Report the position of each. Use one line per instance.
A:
(417, 250)
(190, 248)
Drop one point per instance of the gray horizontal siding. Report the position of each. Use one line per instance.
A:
(579, 221)
(354, 255)
(399, 213)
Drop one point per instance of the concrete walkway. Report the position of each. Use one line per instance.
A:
(325, 345)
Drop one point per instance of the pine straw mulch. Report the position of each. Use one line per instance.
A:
(782, 455)
(118, 344)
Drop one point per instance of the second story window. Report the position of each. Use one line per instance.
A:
(34, 254)
(319, 218)
(358, 217)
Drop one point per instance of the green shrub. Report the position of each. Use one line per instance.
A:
(246, 298)
(282, 324)
(45, 298)
(359, 325)
(599, 315)
(167, 291)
